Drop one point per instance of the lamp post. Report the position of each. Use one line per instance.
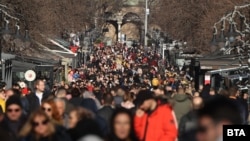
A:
(146, 24)
(119, 22)
(213, 42)
(222, 40)
(231, 33)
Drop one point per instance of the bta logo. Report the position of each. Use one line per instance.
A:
(235, 132)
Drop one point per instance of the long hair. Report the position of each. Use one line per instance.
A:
(55, 113)
(132, 135)
(28, 127)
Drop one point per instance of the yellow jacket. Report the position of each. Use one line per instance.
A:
(2, 104)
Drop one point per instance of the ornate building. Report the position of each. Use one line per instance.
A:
(128, 22)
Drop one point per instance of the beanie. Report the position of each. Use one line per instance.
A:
(155, 82)
(25, 90)
(13, 100)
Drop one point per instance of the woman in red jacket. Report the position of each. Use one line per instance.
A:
(154, 122)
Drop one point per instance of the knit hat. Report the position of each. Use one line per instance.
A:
(142, 96)
(155, 82)
(13, 100)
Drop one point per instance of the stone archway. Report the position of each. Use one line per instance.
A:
(132, 26)
(131, 31)
(111, 32)
(129, 24)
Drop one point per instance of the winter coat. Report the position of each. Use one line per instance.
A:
(187, 126)
(118, 100)
(182, 105)
(76, 101)
(84, 127)
(240, 105)
(106, 113)
(2, 104)
(11, 129)
(76, 76)
(34, 103)
(4, 135)
(91, 105)
(25, 104)
(160, 125)
(59, 135)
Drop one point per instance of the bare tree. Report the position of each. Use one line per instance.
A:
(191, 20)
(51, 17)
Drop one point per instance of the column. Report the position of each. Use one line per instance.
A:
(212, 81)
(85, 58)
(119, 22)
(3, 69)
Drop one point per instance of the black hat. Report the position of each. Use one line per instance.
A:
(142, 96)
(14, 100)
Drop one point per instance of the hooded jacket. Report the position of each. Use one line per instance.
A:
(181, 105)
(160, 125)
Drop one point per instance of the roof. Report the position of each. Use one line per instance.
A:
(221, 62)
(37, 61)
(22, 66)
(59, 46)
(7, 56)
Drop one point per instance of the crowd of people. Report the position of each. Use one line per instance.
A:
(121, 94)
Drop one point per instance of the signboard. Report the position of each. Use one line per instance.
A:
(164, 46)
(30, 75)
(207, 79)
(206, 67)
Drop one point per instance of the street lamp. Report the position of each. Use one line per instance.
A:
(221, 40)
(231, 33)
(17, 34)
(146, 24)
(213, 41)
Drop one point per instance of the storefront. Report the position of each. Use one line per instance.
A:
(6, 68)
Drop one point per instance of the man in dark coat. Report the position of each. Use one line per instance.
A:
(14, 119)
(233, 95)
(107, 110)
(35, 99)
(85, 127)
(188, 122)
(91, 105)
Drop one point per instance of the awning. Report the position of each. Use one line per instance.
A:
(216, 64)
(220, 63)
(65, 54)
(19, 66)
(6, 56)
(38, 61)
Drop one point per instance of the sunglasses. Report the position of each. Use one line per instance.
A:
(35, 124)
(46, 109)
(13, 110)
